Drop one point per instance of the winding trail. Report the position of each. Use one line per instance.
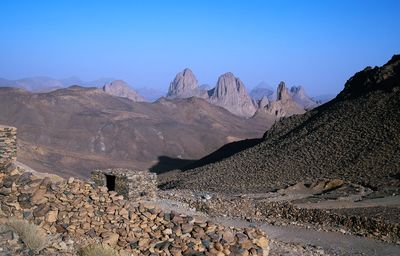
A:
(331, 242)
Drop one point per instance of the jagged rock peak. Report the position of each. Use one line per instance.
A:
(370, 79)
(299, 90)
(184, 85)
(230, 93)
(227, 84)
(282, 92)
(120, 88)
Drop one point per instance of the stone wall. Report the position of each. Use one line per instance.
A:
(86, 213)
(132, 184)
(8, 145)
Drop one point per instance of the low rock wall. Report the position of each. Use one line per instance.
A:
(8, 145)
(82, 210)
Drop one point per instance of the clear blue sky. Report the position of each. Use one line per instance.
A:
(318, 44)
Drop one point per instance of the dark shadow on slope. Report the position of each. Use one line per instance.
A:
(166, 163)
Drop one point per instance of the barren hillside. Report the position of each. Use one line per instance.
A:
(355, 137)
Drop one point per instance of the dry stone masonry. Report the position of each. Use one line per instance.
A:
(8, 145)
(132, 184)
(87, 213)
(80, 210)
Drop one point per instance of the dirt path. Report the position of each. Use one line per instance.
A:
(331, 242)
(393, 201)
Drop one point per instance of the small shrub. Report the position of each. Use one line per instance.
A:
(33, 236)
(97, 250)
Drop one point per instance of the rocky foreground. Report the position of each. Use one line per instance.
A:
(75, 213)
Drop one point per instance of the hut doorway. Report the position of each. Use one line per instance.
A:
(110, 182)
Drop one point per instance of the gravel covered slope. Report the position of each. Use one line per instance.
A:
(355, 137)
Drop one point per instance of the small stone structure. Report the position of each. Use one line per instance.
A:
(8, 145)
(132, 184)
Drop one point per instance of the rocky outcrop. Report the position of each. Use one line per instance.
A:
(230, 93)
(185, 85)
(354, 137)
(283, 106)
(8, 145)
(282, 93)
(300, 96)
(120, 88)
(297, 93)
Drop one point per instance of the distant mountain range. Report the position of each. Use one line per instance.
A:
(231, 94)
(48, 84)
(354, 137)
(74, 130)
(108, 123)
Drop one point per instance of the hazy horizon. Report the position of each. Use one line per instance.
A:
(147, 43)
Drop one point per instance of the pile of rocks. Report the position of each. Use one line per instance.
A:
(132, 184)
(8, 145)
(355, 224)
(81, 210)
(284, 212)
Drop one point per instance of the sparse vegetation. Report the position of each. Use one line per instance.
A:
(97, 250)
(33, 236)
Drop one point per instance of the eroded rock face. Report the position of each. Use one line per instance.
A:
(120, 88)
(300, 96)
(282, 92)
(230, 93)
(354, 137)
(284, 105)
(185, 85)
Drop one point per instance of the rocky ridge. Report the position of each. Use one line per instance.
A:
(283, 106)
(298, 94)
(72, 130)
(231, 94)
(353, 137)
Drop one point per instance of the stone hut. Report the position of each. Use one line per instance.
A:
(132, 184)
(8, 146)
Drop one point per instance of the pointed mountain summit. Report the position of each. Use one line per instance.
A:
(354, 137)
(283, 106)
(120, 88)
(282, 93)
(185, 85)
(230, 93)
